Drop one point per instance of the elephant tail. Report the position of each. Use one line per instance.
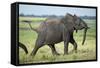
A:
(23, 47)
(29, 22)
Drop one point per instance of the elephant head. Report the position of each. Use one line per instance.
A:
(77, 23)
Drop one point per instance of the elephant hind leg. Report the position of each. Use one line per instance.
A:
(34, 51)
(39, 43)
(37, 46)
(54, 52)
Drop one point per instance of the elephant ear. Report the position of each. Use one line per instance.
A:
(67, 18)
(75, 17)
(68, 21)
(75, 22)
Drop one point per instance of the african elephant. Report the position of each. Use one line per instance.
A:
(55, 30)
(23, 47)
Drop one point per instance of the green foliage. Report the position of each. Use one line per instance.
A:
(44, 54)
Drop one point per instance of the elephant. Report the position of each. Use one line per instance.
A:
(23, 47)
(55, 30)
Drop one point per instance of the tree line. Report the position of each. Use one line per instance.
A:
(45, 16)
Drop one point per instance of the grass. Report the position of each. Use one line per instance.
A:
(28, 37)
(35, 19)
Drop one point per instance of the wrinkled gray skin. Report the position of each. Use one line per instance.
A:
(54, 30)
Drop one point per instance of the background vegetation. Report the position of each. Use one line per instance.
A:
(28, 37)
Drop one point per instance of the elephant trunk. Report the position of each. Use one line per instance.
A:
(84, 37)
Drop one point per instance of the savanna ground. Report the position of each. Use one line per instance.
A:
(44, 54)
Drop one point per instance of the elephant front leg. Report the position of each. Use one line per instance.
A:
(75, 46)
(72, 41)
(54, 52)
(66, 38)
(66, 47)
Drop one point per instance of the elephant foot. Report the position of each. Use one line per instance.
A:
(56, 53)
(32, 54)
(75, 51)
(66, 53)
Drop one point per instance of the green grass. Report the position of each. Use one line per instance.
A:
(35, 19)
(44, 54)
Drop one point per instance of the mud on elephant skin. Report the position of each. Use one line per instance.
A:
(55, 30)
